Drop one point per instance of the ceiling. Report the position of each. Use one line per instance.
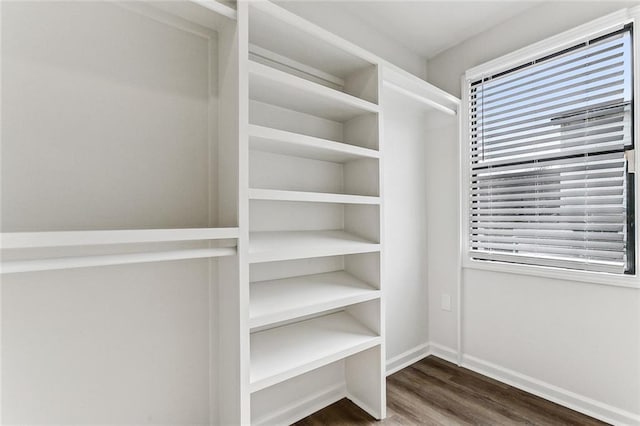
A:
(429, 27)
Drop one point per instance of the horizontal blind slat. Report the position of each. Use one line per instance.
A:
(543, 195)
(609, 83)
(533, 74)
(532, 248)
(600, 112)
(531, 218)
(479, 240)
(594, 265)
(549, 118)
(552, 233)
(594, 68)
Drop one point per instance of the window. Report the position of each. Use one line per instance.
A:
(549, 177)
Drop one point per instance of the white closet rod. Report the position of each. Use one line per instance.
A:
(10, 267)
(218, 7)
(419, 98)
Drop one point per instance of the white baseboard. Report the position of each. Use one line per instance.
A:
(407, 358)
(373, 413)
(304, 407)
(443, 352)
(564, 397)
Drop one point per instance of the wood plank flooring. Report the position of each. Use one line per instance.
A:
(436, 392)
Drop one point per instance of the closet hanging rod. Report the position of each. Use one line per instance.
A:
(218, 7)
(420, 98)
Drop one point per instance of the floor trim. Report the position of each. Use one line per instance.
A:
(304, 407)
(561, 396)
(564, 397)
(407, 358)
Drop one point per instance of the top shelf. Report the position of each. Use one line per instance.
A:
(271, 28)
(279, 31)
(279, 88)
(18, 240)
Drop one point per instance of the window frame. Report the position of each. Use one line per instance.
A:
(593, 29)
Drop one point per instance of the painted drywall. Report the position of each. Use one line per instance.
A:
(580, 337)
(442, 241)
(349, 27)
(126, 344)
(405, 225)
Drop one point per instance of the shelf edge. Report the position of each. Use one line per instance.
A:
(33, 265)
(311, 197)
(16, 240)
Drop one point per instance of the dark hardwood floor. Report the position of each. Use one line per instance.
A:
(436, 392)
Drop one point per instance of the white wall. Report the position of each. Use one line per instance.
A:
(329, 15)
(405, 224)
(125, 344)
(582, 338)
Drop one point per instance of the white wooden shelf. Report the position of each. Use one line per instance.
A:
(15, 240)
(285, 90)
(315, 197)
(16, 266)
(283, 245)
(273, 28)
(284, 352)
(294, 144)
(285, 299)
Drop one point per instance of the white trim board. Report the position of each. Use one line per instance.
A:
(564, 397)
(407, 358)
(304, 407)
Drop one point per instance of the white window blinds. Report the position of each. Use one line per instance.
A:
(549, 183)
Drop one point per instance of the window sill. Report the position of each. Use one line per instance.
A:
(603, 278)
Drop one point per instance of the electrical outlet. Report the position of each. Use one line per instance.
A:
(445, 302)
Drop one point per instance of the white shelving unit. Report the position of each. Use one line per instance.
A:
(222, 188)
(314, 213)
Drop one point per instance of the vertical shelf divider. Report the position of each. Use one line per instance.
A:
(230, 369)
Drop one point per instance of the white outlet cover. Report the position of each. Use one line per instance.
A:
(445, 302)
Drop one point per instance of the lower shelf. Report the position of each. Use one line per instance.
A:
(284, 352)
(281, 300)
